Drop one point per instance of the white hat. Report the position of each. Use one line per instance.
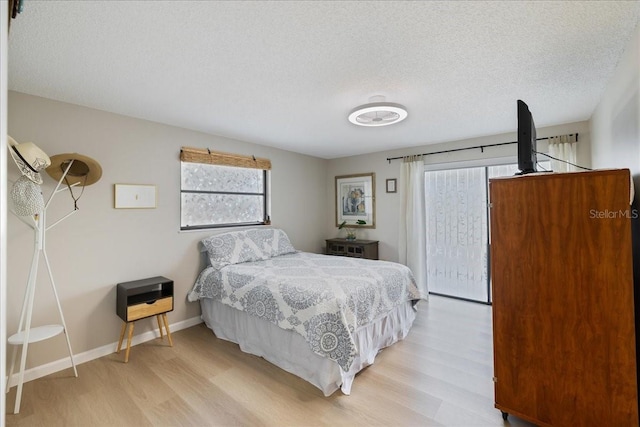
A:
(29, 158)
(27, 197)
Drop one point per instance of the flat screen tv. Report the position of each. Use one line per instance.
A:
(526, 140)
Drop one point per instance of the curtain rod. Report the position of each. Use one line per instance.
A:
(481, 147)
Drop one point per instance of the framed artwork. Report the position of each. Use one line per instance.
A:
(355, 200)
(391, 185)
(129, 196)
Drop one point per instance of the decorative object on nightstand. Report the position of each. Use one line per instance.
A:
(30, 208)
(353, 248)
(140, 299)
(351, 231)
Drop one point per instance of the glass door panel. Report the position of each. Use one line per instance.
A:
(457, 230)
(457, 248)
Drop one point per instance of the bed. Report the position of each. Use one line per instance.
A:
(320, 317)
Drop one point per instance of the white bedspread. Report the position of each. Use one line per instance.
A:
(323, 298)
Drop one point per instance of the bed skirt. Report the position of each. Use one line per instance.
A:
(289, 351)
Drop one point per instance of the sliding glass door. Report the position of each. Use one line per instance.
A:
(457, 231)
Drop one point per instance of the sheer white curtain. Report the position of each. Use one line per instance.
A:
(412, 248)
(563, 148)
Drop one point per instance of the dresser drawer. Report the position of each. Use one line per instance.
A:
(139, 311)
(359, 248)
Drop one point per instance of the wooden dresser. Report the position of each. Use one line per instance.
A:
(563, 298)
(353, 248)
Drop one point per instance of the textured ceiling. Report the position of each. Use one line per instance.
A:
(287, 74)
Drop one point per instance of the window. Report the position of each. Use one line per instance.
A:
(457, 230)
(222, 190)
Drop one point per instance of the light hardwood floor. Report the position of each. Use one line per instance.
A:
(440, 375)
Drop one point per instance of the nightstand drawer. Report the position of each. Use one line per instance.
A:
(138, 311)
(353, 248)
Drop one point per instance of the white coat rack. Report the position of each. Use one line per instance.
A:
(28, 335)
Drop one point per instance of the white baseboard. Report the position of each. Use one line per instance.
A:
(89, 355)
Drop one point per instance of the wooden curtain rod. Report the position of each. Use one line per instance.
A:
(481, 147)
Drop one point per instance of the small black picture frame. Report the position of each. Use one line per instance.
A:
(391, 185)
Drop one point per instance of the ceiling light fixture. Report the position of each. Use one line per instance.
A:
(378, 114)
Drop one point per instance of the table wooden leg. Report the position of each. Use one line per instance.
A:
(124, 328)
(126, 355)
(166, 327)
(159, 326)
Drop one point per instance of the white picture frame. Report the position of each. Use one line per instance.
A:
(134, 196)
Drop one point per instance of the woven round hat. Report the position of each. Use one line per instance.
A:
(27, 197)
(84, 170)
(29, 158)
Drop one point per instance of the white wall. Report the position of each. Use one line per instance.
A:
(615, 125)
(100, 246)
(615, 128)
(387, 209)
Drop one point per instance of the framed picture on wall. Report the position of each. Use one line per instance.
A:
(355, 200)
(391, 185)
(134, 196)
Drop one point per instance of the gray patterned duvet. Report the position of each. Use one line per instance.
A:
(323, 298)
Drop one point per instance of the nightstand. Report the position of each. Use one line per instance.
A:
(353, 248)
(140, 299)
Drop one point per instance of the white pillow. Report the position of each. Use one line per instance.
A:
(244, 246)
